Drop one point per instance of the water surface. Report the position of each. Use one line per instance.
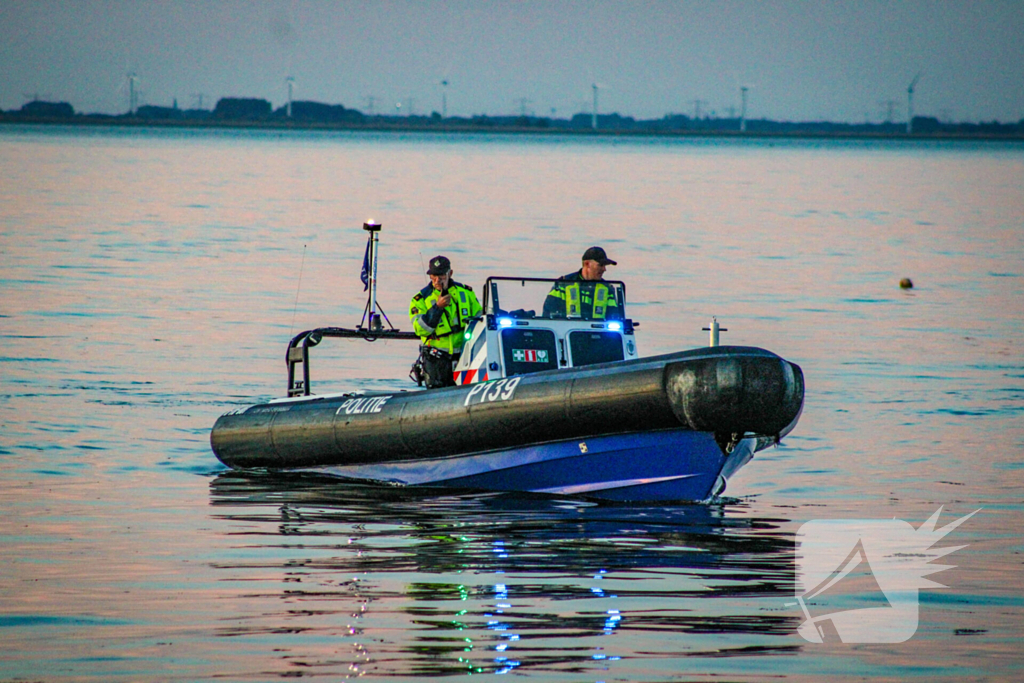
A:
(151, 280)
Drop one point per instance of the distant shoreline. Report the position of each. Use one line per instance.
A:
(86, 121)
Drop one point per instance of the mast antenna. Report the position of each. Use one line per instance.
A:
(372, 314)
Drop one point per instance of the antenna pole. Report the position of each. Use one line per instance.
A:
(371, 303)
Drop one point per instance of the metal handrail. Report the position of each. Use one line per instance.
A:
(300, 354)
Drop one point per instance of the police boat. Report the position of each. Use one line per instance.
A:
(547, 400)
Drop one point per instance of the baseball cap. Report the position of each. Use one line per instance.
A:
(597, 254)
(439, 265)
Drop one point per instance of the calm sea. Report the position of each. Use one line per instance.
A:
(149, 281)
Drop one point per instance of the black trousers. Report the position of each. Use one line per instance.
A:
(438, 367)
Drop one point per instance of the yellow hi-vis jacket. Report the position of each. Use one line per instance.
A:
(443, 329)
(575, 297)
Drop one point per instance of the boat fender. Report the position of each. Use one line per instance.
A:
(734, 395)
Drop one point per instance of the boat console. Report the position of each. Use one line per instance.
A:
(522, 331)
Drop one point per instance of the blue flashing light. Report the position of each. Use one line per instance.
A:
(505, 322)
(615, 326)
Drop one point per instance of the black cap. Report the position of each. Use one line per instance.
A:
(439, 265)
(597, 254)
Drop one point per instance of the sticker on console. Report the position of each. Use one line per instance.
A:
(489, 392)
(529, 355)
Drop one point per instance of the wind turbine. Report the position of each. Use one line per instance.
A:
(290, 81)
(743, 108)
(133, 96)
(696, 108)
(593, 116)
(910, 103)
(889, 108)
(444, 87)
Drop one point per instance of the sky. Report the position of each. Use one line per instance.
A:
(807, 60)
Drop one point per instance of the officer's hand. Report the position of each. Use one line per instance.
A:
(443, 301)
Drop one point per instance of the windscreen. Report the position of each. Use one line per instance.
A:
(556, 299)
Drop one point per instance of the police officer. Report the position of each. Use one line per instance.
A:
(582, 294)
(439, 313)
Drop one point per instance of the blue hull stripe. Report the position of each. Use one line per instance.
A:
(662, 465)
(608, 485)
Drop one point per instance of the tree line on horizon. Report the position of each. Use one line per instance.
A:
(255, 111)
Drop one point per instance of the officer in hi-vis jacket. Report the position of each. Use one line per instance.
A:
(439, 313)
(582, 294)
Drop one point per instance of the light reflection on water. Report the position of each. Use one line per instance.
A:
(151, 279)
(432, 584)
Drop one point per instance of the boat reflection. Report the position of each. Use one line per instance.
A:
(433, 582)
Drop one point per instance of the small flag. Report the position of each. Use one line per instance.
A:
(365, 275)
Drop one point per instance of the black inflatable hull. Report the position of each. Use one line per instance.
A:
(725, 391)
